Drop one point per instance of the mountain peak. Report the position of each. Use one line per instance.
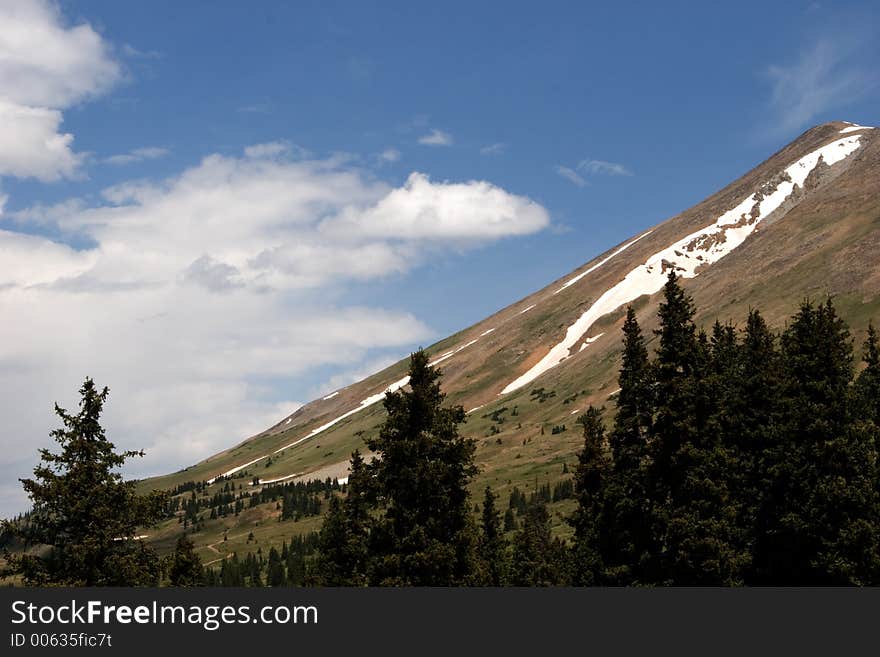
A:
(803, 223)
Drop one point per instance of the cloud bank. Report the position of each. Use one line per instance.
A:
(46, 66)
(203, 296)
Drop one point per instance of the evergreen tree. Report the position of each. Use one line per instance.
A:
(674, 422)
(821, 509)
(84, 514)
(751, 431)
(867, 386)
(493, 547)
(634, 407)
(675, 394)
(425, 533)
(587, 521)
(343, 539)
(693, 513)
(627, 531)
(538, 558)
(275, 575)
(186, 567)
(510, 523)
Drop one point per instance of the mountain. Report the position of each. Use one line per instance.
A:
(804, 223)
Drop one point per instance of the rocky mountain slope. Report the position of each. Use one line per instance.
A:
(804, 223)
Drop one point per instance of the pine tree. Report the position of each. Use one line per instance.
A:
(425, 533)
(186, 567)
(694, 515)
(821, 509)
(84, 514)
(674, 423)
(275, 575)
(867, 386)
(627, 530)
(751, 431)
(343, 539)
(538, 558)
(510, 523)
(587, 521)
(493, 547)
(634, 407)
(675, 394)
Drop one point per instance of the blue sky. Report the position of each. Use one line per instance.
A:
(211, 207)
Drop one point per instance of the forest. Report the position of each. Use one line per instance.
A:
(733, 457)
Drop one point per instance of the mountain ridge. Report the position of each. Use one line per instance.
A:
(835, 212)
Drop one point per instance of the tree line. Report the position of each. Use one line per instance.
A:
(736, 457)
(733, 457)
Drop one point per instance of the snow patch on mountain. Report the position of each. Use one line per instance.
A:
(574, 280)
(277, 479)
(689, 255)
(365, 403)
(854, 127)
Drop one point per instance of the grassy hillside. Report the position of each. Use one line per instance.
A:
(823, 241)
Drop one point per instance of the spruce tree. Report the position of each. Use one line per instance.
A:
(675, 394)
(693, 514)
(493, 546)
(867, 386)
(627, 531)
(343, 540)
(674, 423)
(425, 533)
(539, 559)
(84, 515)
(821, 509)
(751, 431)
(587, 521)
(275, 575)
(634, 407)
(185, 568)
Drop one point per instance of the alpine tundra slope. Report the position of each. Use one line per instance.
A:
(804, 223)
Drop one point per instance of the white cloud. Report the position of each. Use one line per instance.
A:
(389, 155)
(570, 175)
(422, 209)
(603, 167)
(436, 138)
(273, 149)
(32, 146)
(130, 51)
(137, 155)
(824, 77)
(205, 295)
(353, 375)
(493, 149)
(45, 66)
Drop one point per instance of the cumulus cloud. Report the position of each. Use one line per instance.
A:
(436, 138)
(32, 146)
(571, 175)
(201, 298)
(45, 67)
(423, 209)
